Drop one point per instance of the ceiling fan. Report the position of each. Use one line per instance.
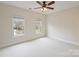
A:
(44, 5)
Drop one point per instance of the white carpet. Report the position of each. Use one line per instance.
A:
(43, 47)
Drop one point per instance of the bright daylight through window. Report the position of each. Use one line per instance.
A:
(38, 26)
(18, 26)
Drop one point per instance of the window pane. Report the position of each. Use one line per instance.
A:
(38, 26)
(18, 26)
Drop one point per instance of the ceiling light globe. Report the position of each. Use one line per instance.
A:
(43, 9)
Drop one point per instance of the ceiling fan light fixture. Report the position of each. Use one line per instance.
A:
(45, 6)
(44, 9)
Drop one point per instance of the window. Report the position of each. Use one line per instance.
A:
(18, 26)
(38, 27)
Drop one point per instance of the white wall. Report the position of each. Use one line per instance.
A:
(6, 14)
(64, 25)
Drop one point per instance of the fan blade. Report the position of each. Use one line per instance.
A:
(50, 3)
(39, 3)
(50, 8)
(37, 7)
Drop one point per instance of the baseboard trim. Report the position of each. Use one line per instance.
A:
(70, 42)
(15, 43)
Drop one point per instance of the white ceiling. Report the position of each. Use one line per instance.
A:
(58, 6)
